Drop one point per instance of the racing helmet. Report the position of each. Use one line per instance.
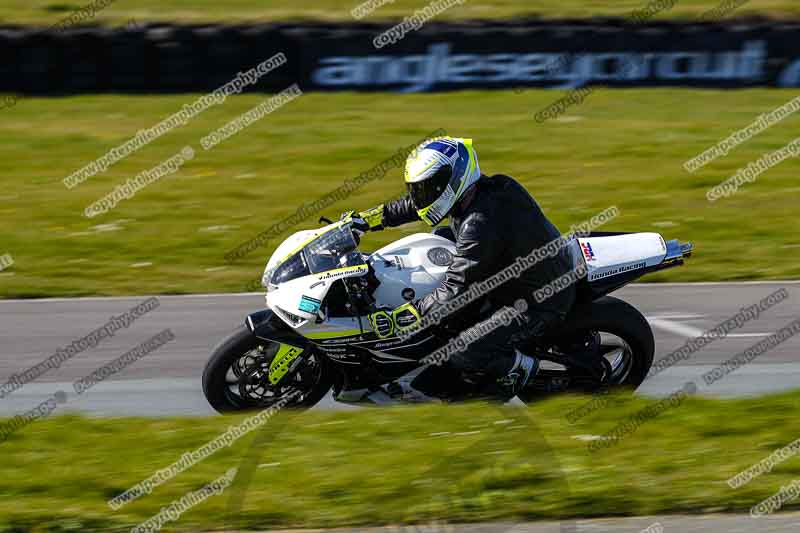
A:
(438, 173)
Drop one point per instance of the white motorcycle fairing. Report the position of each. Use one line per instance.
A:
(418, 262)
(403, 267)
(613, 255)
(407, 269)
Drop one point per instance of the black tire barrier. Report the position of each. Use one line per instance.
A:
(165, 58)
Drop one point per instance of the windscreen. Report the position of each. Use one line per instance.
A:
(335, 249)
(292, 268)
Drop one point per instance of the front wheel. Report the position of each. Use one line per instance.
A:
(236, 376)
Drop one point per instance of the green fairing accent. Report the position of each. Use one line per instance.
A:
(375, 328)
(280, 364)
(405, 307)
(332, 334)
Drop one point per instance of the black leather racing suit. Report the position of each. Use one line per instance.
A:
(501, 223)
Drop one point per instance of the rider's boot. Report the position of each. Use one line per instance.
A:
(525, 367)
(513, 380)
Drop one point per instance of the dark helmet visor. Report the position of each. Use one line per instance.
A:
(424, 193)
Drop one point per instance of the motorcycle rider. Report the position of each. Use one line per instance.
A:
(493, 220)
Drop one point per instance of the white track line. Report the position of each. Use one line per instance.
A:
(715, 283)
(675, 316)
(676, 327)
(687, 331)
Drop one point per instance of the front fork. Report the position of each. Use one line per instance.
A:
(291, 346)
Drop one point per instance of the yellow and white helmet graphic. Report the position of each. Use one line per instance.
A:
(438, 172)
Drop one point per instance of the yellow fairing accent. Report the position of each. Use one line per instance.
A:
(405, 307)
(377, 329)
(332, 334)
(280, 365)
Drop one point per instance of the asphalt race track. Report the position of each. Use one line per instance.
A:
(167, 381)
(784, 522)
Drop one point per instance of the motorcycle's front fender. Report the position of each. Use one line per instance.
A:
(265, 324)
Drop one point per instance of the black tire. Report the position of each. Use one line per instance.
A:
(227, 353)
(614, 316)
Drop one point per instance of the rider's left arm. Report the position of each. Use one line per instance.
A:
(394, 213)
(399, 212)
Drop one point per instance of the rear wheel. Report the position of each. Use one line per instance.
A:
(623, 344)
(236, 376)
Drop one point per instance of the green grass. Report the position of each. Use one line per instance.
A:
(621, 147)
(403, 465)
(45, 12)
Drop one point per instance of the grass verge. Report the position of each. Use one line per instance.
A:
(120, 12)
(620, 147)
(462, 463)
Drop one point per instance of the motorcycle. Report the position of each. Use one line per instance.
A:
(318, 333)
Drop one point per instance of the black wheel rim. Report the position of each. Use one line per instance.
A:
(618, 362)
(247, 379)
(619, 356)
